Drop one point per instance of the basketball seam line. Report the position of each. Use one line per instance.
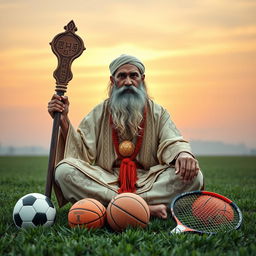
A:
(113, 218)
(95, 204)
(99, 218)
(129, 214)
(103, 214)
(136, 200)
(203, 205)
(84, 209)
(86, 222)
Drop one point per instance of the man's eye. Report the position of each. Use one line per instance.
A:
(122, 76)
(134, 75)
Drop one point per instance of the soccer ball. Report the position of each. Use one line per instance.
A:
(33, 210)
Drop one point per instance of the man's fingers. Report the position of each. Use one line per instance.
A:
(56, 96)
(64, 99)
(193, 171)
(56, 103)
(182, 167)
(56, 109)
(188, 169)
(197, 168)
(177, 167)
(56, 106)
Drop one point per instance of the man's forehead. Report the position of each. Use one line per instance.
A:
(127, 68)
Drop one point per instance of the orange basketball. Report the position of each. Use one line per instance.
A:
(212, 210)
(88, 213)
(127, 209)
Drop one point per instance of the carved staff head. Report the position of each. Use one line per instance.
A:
(67, 46)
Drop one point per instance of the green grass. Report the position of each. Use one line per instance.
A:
(234, 177)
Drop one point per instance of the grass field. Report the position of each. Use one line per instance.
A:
(234, 177)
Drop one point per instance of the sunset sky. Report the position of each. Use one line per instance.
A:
(200, 58)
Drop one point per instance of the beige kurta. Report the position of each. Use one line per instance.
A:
(91, 151)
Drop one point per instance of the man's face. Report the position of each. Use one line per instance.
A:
(127, 75)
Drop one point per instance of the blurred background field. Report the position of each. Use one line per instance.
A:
(232, 176)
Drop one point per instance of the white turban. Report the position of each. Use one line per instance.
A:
(126, 59)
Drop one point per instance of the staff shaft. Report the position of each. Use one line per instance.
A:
(53, 151)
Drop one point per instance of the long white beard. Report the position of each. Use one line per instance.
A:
(126, 106)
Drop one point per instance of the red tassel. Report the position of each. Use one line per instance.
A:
(127, 176)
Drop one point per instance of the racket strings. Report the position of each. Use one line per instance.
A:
(208, 216)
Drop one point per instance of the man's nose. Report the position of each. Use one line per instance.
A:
(128, 81)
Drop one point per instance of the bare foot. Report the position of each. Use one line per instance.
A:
(158, 210)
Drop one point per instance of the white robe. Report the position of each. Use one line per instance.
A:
(90, 150)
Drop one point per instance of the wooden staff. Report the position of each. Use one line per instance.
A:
(67, 46)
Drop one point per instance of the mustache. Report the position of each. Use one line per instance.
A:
(127, 89)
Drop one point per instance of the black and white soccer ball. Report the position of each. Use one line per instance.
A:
(34, 210)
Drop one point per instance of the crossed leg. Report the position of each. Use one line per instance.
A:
(75, 185)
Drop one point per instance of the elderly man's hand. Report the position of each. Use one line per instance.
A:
(186, 166)
(58, 104)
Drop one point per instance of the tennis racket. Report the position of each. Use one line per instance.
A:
(204, 212)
